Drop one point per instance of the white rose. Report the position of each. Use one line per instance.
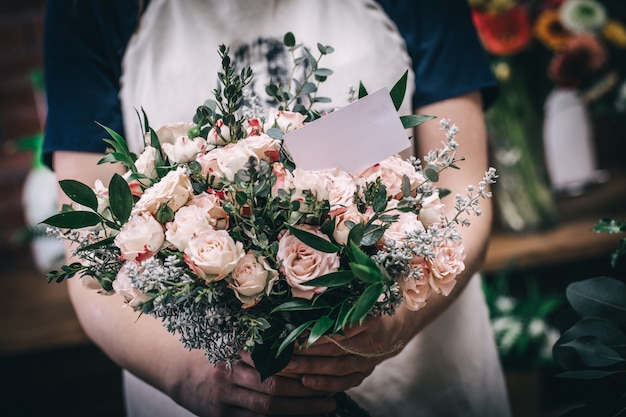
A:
(301, 263)
(342, 230)
(221, 138)
(391, 171)
(263, 146)
(431, 211)
(212, 205)
(123, 286)
(140, 238)
(145, 162)
(184, 149)
(447, 263)
(188, 221)
(317, 182)
(251, 278)
(286, 121)
(168, 133)
(213, 254)
(174, 190)
(226, 161)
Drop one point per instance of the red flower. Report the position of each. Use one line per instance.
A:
(504, 33)
(581, 56)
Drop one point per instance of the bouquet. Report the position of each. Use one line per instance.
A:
(216, 231)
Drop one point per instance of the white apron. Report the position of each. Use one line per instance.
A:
(451, 368)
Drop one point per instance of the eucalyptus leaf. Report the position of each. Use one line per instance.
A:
(380, 199)
(599, 297)
(73, 219)
(314, 241)
(431, 173)
(275, 133)
(80, 193)
(289, 40)
(323, 72)
(398, 90)
(120, 198)
(605, 330)
(372, 235)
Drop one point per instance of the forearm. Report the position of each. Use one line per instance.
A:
(466, 113)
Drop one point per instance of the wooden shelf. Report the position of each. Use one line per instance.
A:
(572, 238)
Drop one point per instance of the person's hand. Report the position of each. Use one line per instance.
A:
(344, 362)
(239, 392)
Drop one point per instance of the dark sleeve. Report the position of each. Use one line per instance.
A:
(448, 59)
(84, 42)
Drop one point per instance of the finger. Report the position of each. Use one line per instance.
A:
(333, 383)
(265, 404)
(332, 366)
(248, 377)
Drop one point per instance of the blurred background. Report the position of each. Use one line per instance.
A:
(558, 139)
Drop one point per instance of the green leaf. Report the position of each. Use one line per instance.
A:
(431, 173)
(362, 90)
(80, 193)
(372, 234)
(599, 297)
(342, 316)
(267, 360)
(593, 353)
(308, 87)
(314, 241)
(73, 219)
(412, 120)
(319, 329)
(298, 304)
(398, 90)
(587, 374)
(102, 243)
(164, 214)
(289, 40)
(119, 140)
(444, 192)
(293, 335)
(120, 198)
(356, 233)
(333, 279)
(380, 199)
(366, 273)
(366, 301)
(357, 255)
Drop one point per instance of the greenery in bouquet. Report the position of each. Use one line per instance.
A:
(591, 347)
(217, 232)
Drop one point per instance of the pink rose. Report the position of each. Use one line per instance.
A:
(174, 190)
(317, 182)
(261, 144)
(391, 171)
(342, 189)
(213, 254)
(432, 210)
(286, 121)
(122, 285)
(301, 263)
(140, 238)
(251, 278)
(447, 263)
(406, 223)
(415, 289)
(342, 230)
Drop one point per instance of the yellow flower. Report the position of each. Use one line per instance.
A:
(549, 30)
(615, 33)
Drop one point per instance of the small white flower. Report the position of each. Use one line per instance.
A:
(536, 328)
(580, 16)
(505, 304)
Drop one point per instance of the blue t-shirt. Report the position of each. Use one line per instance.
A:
(84, 42)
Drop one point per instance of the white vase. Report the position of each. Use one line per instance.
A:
(568, 143)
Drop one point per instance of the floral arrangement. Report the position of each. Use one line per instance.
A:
(582, 42)
(215, 231)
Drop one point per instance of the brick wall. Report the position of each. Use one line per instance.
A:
(21, 28)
